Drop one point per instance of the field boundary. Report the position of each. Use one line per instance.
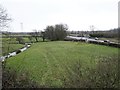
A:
(93, 41)
(14, 53)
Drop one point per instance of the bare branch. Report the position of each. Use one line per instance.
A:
(4, 18)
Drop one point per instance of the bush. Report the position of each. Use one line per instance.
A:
(104, 75)
(11, 80)
(20, 40)
(96, 35)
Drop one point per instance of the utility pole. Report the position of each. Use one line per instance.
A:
(21, 26)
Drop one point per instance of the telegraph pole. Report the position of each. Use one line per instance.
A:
(21, 26)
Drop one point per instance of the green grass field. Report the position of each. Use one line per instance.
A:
(50, 64)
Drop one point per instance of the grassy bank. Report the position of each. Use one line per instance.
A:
(64, 64)
(10, 45)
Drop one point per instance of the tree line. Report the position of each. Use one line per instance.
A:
(55, 32)
(113, 33)
(52, 33)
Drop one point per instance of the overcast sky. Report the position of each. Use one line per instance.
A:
(77, 14)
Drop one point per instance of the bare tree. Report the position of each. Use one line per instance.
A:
(4, 19)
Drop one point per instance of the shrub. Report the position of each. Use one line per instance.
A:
(96, 35)
(20, 40)
(104, 75)
(12, 80)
